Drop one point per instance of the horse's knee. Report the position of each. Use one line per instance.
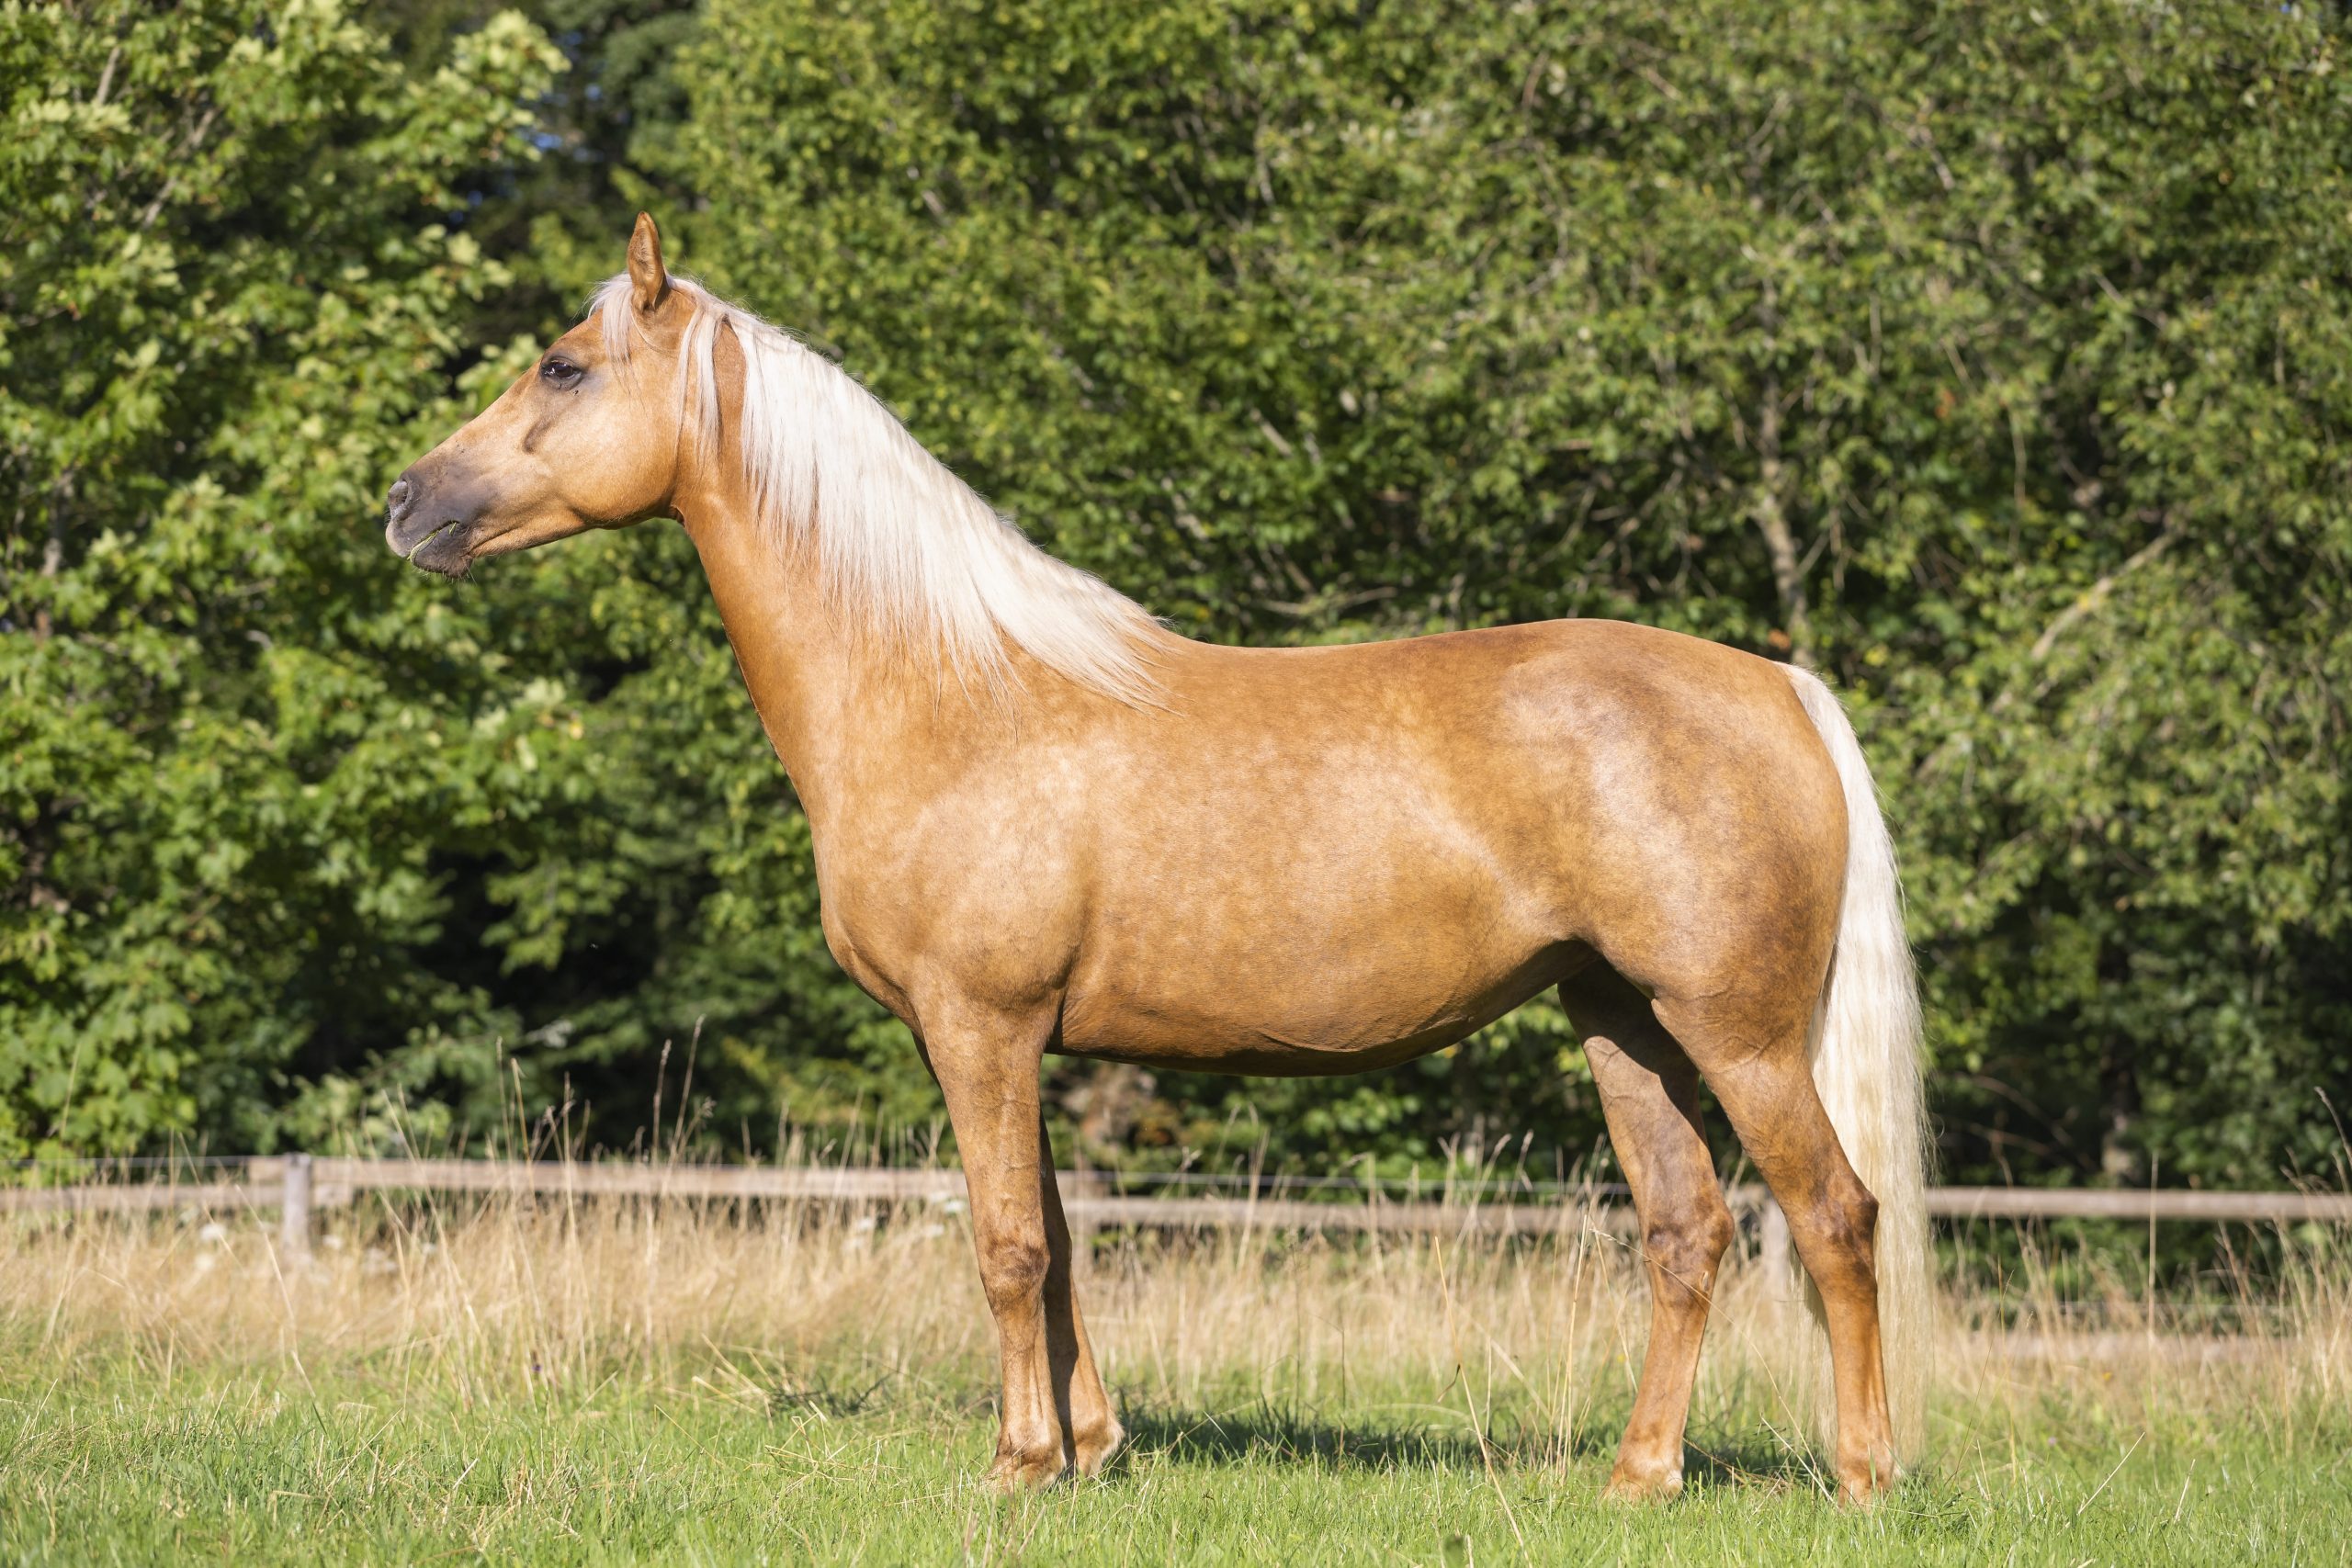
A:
(1014, 1269)
(1685, 1247)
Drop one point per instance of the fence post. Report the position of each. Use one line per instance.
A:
(1078, 1189)
(294, 1208)
(1772, 1247)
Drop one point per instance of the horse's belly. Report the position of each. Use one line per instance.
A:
(1294, 990)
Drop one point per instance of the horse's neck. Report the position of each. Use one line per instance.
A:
(835, 705)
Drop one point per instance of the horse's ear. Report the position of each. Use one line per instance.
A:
(647, 282)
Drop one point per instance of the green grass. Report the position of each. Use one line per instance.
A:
(111, 1460)
(622, 1383)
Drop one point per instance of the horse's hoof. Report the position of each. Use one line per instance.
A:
(1014, 1472)
(1094, 1450)
(1633, 1486)
(1861, 1485)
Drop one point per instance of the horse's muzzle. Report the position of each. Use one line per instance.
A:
(426, 529)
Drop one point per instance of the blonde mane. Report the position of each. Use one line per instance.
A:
(901, 541)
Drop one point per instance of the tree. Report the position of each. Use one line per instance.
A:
(232, 744)
(1989, 360)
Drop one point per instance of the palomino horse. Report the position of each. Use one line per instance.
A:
(1044, 823)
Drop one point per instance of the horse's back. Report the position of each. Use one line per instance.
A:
(1565, 737)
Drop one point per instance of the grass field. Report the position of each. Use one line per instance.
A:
(622, 1384)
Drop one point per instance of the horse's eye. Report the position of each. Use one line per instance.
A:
(560, 374)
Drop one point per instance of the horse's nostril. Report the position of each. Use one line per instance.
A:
(398, 499)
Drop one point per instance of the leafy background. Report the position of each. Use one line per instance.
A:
(1991, 359)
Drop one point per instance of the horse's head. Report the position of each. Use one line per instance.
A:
(584, 439)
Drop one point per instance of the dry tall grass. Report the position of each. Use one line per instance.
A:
(515, 1299)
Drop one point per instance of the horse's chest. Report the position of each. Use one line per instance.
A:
(856, 962)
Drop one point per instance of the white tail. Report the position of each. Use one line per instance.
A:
(1866, 1047)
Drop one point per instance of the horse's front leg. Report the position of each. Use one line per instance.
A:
(1085, 1409)
(988, 1071)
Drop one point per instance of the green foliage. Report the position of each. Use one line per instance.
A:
(1990, 358)
(231, 743)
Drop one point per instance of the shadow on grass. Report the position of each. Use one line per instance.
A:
(1443, 1441)
(1270, 1432)
(1723, 1455)
(1751, 1459)
(828, 1399)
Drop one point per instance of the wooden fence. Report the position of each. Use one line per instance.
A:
(297, 1186)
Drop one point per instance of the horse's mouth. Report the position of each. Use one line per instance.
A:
(434, 552)
(429, 538)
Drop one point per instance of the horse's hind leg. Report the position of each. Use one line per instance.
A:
(1649, 1094)
(1751, 1050)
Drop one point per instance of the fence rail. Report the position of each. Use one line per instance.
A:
(300, 1185)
